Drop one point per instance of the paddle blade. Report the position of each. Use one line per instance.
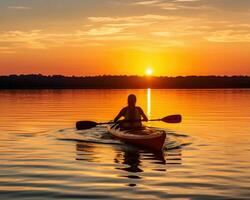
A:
(82, 125)
(172, 119)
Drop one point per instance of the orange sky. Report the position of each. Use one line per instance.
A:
(173, 37)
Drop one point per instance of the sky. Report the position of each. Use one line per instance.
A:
(125, 37)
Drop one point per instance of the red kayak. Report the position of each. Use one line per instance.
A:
(146, 137)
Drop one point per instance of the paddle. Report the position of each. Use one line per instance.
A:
(83, 125)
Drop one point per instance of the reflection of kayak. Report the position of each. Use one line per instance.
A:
(145, 137)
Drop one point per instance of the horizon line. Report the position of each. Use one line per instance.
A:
(124, 75)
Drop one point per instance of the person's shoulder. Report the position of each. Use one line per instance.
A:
(124, 109)
(139, 108)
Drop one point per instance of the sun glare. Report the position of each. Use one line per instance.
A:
(149, 71)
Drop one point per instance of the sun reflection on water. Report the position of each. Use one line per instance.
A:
(149, 102)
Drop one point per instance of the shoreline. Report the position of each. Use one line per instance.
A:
(39, 81)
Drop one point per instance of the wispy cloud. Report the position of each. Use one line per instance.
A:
(187, 0)
(229, 36)
(103, 31)
(149, 2)
(19, 8)
(177, 32)
(39, 39)
(129, 22)
(239, 26)
(134, 19)
(173, 4)
(34, 39)
(163, 34)
(141, 30)
(6, 50)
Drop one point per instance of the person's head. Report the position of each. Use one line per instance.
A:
(131, 100)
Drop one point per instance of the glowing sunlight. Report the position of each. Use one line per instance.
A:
(149, 71)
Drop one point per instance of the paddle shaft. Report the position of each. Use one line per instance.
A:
(90, 124)
(150, 120)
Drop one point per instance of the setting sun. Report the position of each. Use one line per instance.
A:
(149, 71)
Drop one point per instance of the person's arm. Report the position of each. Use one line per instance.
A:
(144, 117)
(121, 113)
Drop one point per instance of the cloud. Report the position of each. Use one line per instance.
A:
(122, 37)
(39, 39)
(229, 36)
(171, 43)
(173, 5)
(150, 2)
(133, 19)
(6, 50)
(186, 0)
(19, 8)
(130, 24)
(239, 26)
(19, 38)
(178, 33)
(137, 30)
(141, 25)
(120, 25)
(162, 33)
(34, 39)
(104, 31)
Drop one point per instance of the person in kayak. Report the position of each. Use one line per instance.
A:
(131, 114)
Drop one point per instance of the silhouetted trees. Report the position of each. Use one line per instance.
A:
(38, 81)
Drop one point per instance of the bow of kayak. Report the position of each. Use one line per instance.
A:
(146, 137)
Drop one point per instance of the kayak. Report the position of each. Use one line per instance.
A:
(146, 137)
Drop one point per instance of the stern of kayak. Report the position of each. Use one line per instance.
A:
(153, 140)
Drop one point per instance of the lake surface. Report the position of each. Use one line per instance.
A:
(42, 156)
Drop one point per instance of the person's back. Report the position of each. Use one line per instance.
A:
(132, 114)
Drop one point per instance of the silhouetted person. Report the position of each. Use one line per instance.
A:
(132, 114)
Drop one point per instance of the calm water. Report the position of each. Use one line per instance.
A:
(42, 156)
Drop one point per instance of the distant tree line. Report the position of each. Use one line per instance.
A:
(38, 81)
